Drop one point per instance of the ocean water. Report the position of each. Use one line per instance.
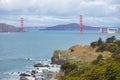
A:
(19, 51)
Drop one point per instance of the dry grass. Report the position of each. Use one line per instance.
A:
(81, 53)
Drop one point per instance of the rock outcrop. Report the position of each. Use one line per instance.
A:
(76, 53)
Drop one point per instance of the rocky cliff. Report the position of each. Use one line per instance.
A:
(77, 53)
(7, 28)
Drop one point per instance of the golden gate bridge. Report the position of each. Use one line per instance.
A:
(80, 27)
(22, 25)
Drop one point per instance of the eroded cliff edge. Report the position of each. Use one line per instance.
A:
(77, 53)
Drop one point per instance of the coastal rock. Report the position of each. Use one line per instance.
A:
(24, 74)
(33, 72)
(76, 53)
(38, 65)
(23, 78)
(46, 66)
(45, 72)
(58, 57)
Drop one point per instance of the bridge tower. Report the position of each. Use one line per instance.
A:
(21, 24)
(81, 24)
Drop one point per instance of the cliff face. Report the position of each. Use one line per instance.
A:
(7, 28)
(76, 53)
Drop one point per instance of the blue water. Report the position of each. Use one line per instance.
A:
(15, 48)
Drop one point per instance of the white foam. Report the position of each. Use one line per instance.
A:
(11, 78)
(13, 73)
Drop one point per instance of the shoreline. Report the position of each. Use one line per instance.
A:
(41, 72)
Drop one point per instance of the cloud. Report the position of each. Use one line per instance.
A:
(49, 12)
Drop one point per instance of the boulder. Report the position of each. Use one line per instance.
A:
(23, 78)
(38, 65)
(24, 74)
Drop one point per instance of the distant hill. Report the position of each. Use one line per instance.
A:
(7, 28)
(71, 26)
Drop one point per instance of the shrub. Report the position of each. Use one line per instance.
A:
(93, 44)
(67, 67)
(100, 57)
(111, 39)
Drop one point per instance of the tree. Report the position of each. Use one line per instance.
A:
(102, 48)
(93, 44)
(112, 47)
(111, 39)
(116, 54)
(117, 42)
(99, 42)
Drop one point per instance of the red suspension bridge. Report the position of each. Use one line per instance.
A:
(80, 27)
(22, 25)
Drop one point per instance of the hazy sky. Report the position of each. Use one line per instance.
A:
(52, 12)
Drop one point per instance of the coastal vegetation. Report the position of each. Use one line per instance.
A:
(99, 61)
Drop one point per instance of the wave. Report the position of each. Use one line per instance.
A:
(20, 65)
(13, 73)
(26, 58)
(11, 76)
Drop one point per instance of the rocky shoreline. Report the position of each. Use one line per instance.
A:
(41, 72)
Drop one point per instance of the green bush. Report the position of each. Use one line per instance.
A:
(111, 39)
(67, 67)
(93, 44)
(103, 71)
(99, 58)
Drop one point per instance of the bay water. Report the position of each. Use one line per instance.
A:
(20, 51)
